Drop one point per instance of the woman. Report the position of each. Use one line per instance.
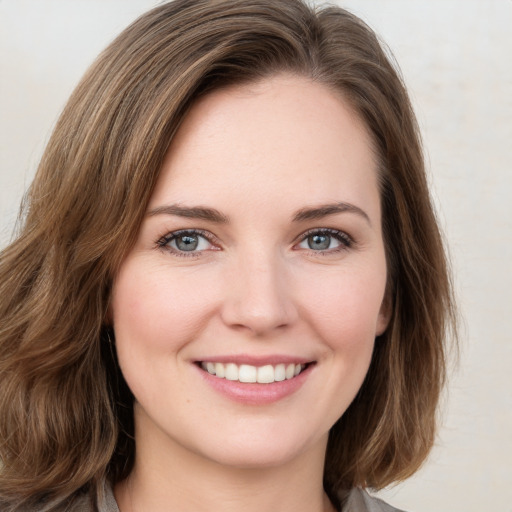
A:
(229, 289)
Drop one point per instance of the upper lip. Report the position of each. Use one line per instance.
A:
(253, 360)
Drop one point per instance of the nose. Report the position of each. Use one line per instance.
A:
(258, 298)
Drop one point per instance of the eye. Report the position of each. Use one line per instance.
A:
(187, 241)
(325, 240)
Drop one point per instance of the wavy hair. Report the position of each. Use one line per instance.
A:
(66, 421)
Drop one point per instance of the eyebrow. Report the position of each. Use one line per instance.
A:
(319, 212)
(191, 212)
(213, 215)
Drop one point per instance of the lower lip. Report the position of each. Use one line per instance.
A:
(254, 393)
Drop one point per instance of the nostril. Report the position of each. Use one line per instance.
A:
(259, 320)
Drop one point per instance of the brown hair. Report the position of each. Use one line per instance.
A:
(65, 411)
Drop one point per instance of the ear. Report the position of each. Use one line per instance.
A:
(385, 312)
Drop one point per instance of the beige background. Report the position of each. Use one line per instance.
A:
(456, 58)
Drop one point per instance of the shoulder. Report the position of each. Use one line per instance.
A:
(360, 501)
(82, 502)
(106, 502)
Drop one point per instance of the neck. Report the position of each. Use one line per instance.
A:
(175, 478)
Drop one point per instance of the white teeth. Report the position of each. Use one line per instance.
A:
(266, 374)
(279, 372)
(219, 370)
(231, 371)
(290, 370)
(248, 373)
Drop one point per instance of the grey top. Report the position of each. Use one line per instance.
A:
(358, 501)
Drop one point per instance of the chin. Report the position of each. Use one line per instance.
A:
(262, 451)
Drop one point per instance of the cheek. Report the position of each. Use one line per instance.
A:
(154, 318)
(343, 314)
(346, 308)
(154, 311)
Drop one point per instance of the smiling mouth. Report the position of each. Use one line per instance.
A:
(253, 374)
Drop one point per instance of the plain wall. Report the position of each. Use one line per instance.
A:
(455, 56)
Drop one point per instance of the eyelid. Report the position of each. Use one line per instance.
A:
(343, 237)
(346, 241)
(163, 241)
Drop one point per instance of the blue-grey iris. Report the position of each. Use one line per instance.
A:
(187, 242)
(319, 242)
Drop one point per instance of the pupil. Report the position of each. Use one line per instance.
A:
(319, 242)
(187, 243)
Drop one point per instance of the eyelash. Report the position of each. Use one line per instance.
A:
(164, 241)
(346, 242)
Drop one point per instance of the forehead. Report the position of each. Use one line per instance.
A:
(271, 142)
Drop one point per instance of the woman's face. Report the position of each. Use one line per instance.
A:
(245, 314)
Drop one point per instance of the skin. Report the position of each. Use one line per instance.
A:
(258, 154)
